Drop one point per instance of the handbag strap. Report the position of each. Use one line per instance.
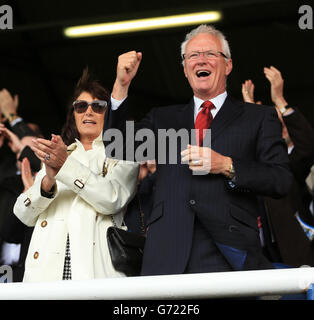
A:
(113, 222)
(141, 213)
(105, 168)
(104, 172)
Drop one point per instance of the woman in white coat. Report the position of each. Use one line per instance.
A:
(75, 195)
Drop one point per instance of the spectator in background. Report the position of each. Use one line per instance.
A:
(310, 181)
(9, 183)
(285, 240)
(309, 207)
(18, 129)
(8, 170)
(15, 235)
(15, 138)
(11, 118)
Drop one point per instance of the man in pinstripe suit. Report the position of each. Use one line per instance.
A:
(208, 222)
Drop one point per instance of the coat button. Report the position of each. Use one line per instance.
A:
(192, 202)
(44, 223)
(233, 228)
(36, 255)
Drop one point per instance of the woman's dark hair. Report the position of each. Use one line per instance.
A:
(85, 84)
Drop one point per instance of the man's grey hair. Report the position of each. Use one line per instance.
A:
(203, 28)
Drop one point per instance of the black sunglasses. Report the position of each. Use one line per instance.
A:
(98, 106)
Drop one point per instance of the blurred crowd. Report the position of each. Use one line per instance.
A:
(287, 224)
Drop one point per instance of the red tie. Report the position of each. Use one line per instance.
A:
(203, 120)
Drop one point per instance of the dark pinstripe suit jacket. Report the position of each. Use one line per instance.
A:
(251, 136)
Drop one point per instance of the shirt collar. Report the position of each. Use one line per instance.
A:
(218, 101)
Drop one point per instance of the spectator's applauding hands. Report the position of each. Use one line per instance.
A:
(276, 89)
(27, 176)
(53, 153)
(248, 92)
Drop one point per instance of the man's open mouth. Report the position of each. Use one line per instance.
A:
(203, 73)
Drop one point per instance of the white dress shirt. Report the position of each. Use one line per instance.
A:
(218, 101)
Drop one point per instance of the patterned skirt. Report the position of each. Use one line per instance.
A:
(67, 262)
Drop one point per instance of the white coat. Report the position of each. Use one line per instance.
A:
(82, 204)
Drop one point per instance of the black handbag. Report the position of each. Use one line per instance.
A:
(126, 248)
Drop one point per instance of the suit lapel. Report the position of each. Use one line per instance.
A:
(230, 110)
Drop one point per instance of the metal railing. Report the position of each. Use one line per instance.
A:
(234, 284)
